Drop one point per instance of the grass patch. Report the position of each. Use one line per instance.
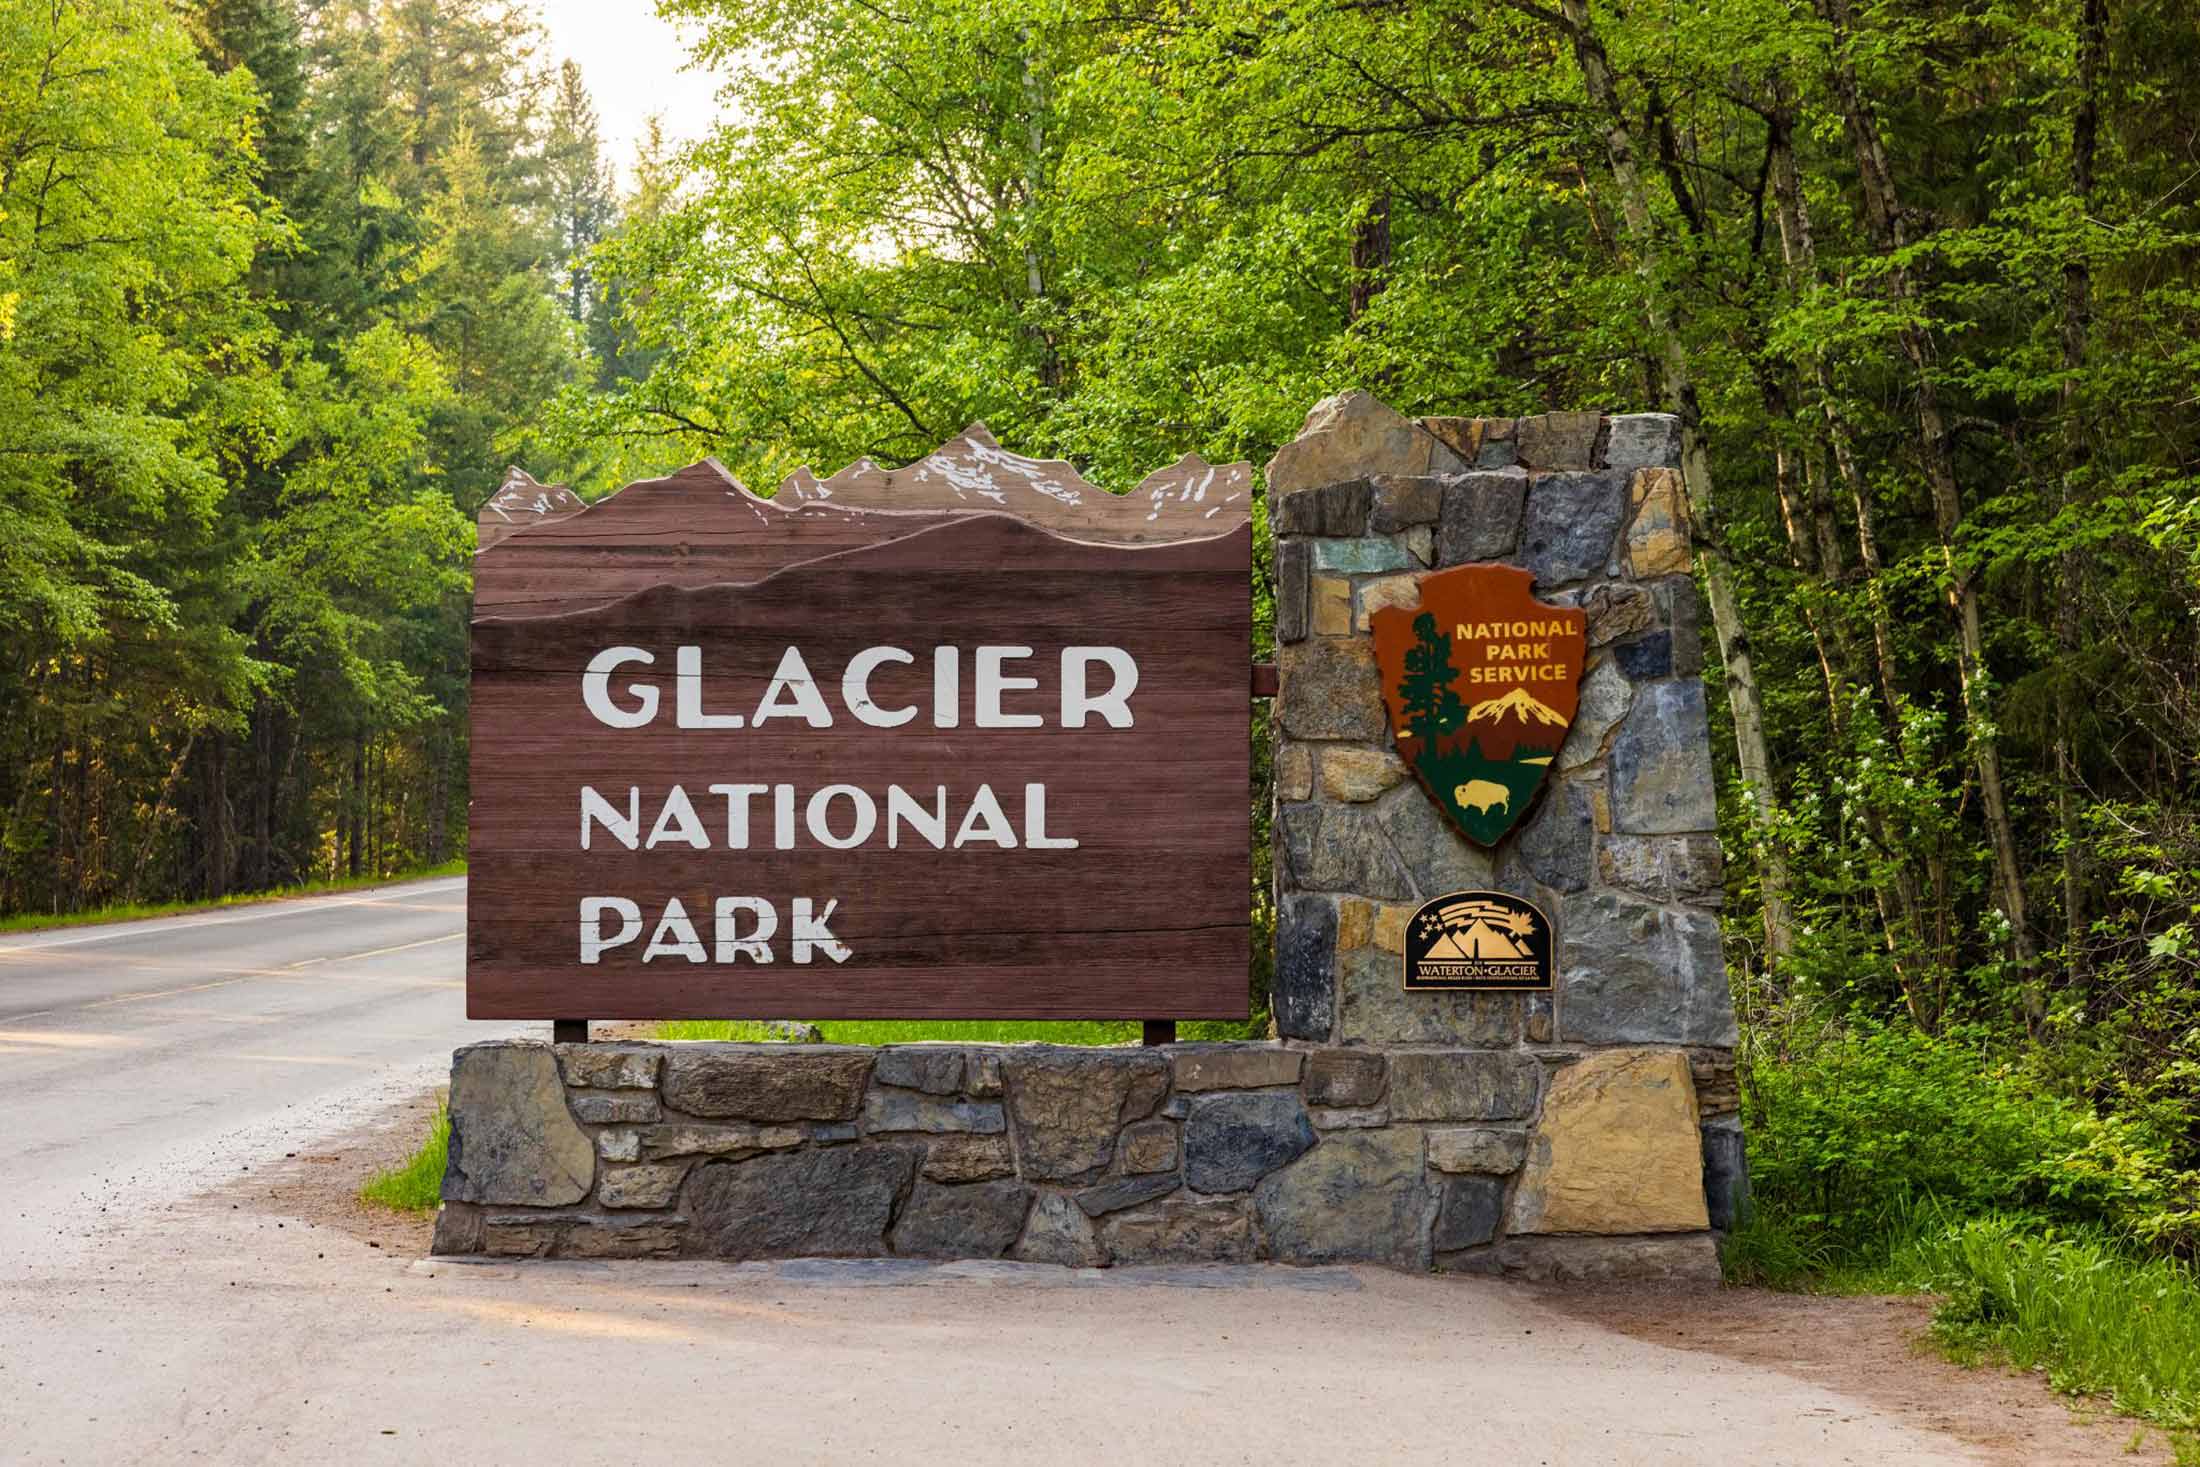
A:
(2095, 1319)
(964, 1031)
(136, 911)
(415, 1184)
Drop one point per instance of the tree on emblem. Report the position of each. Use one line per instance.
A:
(1431, 707)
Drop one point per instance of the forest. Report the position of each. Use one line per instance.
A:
(286, 284)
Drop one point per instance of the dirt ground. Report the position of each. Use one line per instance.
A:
(321, 1185)
(1874, 1348)
(1870, 1348)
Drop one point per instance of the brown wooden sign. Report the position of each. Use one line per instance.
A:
(1481, 681)
(980, 770)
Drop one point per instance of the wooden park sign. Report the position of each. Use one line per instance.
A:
(1481, 681)
(920, 755)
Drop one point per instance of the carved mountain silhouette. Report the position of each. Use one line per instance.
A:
(1520, 704)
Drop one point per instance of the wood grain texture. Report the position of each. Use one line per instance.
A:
(1190, 499)
(692, 528)
(1146, 918)
(521, 503)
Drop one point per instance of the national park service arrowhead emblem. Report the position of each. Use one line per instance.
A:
(1481, 681)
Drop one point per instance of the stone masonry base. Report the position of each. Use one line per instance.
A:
(1555, 1164)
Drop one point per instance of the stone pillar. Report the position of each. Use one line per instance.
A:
(1603, 1132)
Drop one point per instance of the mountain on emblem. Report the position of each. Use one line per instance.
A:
(1481, 681)
(1521, 704)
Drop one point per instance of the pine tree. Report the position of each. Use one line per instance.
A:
(1432, 708)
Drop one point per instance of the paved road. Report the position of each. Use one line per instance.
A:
(133, 1054)
(149, 1314)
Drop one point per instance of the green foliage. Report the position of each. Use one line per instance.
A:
(1850, 1130)
(415, 1184)
(2074, 1305)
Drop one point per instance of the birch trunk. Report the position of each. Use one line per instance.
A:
(1743, 699)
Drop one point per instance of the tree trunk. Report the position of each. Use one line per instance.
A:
(357, 803)
(2077, 322)
(1743, 699)
(1885, 223)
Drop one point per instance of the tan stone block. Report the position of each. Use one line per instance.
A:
(1357, 775)
(646, 1185)
(1617, 1149)
(1236, 1067)
(1352, 435)
(1399, 590)
(1295, 773)
(1390, 926)
(1332, 606)
(1657, 526)
(1355, 923)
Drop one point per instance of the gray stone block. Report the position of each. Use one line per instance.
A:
(1681, 612)
(1303, 988)
(1469, 1214)
(833, 1203)
(1572, 522)
(1725, 1172)
(1645, 657)
(1481, 519)
(1374, 1008)
(1606, 695)
(762, 1083)
(1181, 1231)
(513, 1141)
(1149, 1146)
(652, 1184)
(1665, 868)
(1672, 1258)
(1332, 690)
(1058, 1232)
(968, 1158)
(1067, 1105)
(1558, 440)
(1346, 1077)
(907, 1110)
(1294, 564)
(1435, 857)
(1335, 510)
(615, 1109)
(1234, 1066)
(1404, 501)
(1662, 782)
(1463, 1085)
(1124, 1192)
(1633, 973)
(932, 1068)
(1358, 1196)
(1643, 441)
(1477, 1149)
(609, 1066)
(682, 1138)
(1558, 842)
(1232, 1140)
(1343, 848)
(1367, 555)
(974, 1220)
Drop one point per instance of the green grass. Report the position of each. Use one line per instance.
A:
(2093, 1317)
(133, 911)
(415, 1184)
(967, 1031)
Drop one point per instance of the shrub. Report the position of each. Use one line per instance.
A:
(1850, 1130)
